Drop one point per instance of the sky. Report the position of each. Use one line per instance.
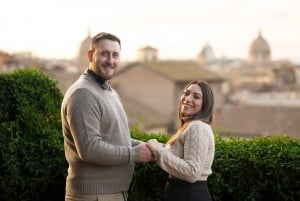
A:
(177, 28)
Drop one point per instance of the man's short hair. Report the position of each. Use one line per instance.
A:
(101, 36)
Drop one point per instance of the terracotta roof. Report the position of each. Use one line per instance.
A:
(245, 120)
(179, 70)
(183, 70)
(135, 110)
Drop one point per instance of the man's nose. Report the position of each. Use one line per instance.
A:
(110, 59)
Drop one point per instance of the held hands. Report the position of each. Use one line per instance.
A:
(153, 144)
(147, 150)
(145, 153)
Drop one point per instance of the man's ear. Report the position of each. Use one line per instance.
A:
(90, 55)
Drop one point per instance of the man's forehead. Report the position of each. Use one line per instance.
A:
(106, 44)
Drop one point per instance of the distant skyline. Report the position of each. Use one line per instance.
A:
(179, 29)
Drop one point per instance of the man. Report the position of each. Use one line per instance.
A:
(97, 142)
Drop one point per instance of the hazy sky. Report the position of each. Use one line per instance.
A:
(178, 28)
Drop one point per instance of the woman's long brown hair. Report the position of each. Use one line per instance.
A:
(205, 114)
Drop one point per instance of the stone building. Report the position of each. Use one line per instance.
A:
(147, 54)
(151, 90)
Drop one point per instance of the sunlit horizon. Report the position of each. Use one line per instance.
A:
(178, 29)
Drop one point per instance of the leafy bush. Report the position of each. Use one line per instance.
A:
(260, 169)
(148, 179)
(256, 169)
(31, 159)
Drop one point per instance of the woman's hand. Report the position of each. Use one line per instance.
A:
(154, 145)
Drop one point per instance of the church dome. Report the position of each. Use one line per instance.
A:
(206, 54)
(259, 51)
(82, 54)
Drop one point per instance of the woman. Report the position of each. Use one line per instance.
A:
(189, 154)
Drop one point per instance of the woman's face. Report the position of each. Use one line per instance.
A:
(191, 100)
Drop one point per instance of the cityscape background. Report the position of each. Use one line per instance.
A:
(52, 29)
(247, 50)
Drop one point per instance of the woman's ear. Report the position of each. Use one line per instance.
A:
(90, 55)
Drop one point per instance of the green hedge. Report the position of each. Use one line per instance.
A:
(32, 160)
(261, 168)
(33, 166)
(256, 169)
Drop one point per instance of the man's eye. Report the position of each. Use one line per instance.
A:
(104, 54)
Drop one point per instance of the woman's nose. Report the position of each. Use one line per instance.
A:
(188, 98)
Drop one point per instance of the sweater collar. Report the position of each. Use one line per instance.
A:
(100, 81)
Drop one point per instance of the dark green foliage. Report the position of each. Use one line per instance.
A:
(148, 179)
(260, 169)
(256, 169)
(31, 144)
(147, 183)
(136, 133)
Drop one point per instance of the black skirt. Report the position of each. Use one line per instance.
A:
(179, 190)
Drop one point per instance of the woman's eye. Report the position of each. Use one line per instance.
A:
(186, 93)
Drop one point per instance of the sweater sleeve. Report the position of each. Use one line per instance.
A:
(195, 142)
(83, 118)
(135, 142)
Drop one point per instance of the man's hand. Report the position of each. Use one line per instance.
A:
(145, 154)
